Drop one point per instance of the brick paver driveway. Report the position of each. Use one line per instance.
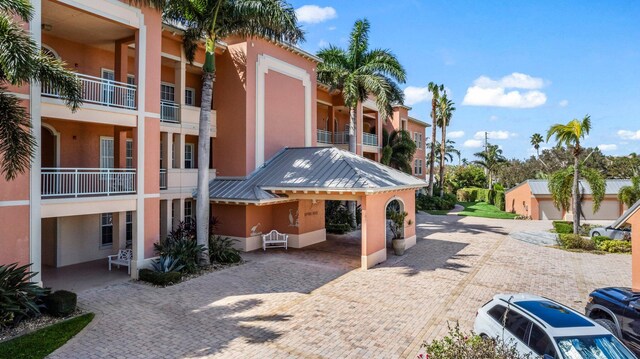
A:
(315, 304)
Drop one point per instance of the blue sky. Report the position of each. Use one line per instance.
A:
(513, 67)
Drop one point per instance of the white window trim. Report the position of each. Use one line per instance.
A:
(169, 85)
(193, 148)
(193, 96)
(113, 156)
(100, 244)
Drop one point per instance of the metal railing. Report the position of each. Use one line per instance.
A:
(340, 138)
(101, 91)
(370, 139)
(169, 112)
(324, 136)
(163, 178)
(87, 182)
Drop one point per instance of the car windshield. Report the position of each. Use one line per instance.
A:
(593, 347)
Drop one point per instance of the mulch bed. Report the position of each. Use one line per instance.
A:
(30, 325)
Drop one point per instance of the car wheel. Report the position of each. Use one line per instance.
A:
(609, 325)
(595, 234)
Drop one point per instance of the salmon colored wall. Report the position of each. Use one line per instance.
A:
(195, 82)
(151, 225)
(258, 214)
(518, 200)
(634, 221)
(168, 75)
(310, 216)
(374, 219)
(153, 22)
(420, 154)
(322, 114)
(284, 113)
(16, 189)
(79, 142)
(193, 140)
(14, 241)
(171, 44)
(232, 219)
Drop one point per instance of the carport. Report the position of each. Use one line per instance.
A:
(632, 218)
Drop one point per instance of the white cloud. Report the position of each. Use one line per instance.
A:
(331, 28)
(313, 14)
(563, 103)
(455, 134)
(629, 135)
(488, 92)
(493, 118)
(473, 143)
(414, 94)
(494, 135)
(323, 43)
(605, 148)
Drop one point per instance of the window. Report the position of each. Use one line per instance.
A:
(417, 167)
(417, 138)
(106, 152)
(517, 324)
(190, 96)
(108, 91)
(540, 342)
(188, 212)
(106, 230)
(167, 93)
(128, 222)
(161, 156)
(497, 313)
(188, 155)
(131, 98)
(129, 154)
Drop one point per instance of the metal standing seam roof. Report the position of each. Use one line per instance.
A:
(541, 187)
(312, 168)
(620, 222)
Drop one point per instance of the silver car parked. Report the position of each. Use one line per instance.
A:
(622, 233)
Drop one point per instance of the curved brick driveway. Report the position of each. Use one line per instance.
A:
(315, 304)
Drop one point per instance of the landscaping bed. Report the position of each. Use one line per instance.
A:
(188, 276)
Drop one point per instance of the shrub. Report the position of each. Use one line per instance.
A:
(159, 278)
(563, 227)
(498, 187)
(181, 245)
(166, 264)
(341, 228)
(337, 213)
(61, 303)
(221, 250)
(19, 297)
(615, 246)
(458, 345)
(597, 240)
(500, 200)
(467, 194)
(573, 241)
(427, 203)
(396, 225)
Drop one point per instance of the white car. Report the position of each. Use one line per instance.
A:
(622, 233)
(540, 327)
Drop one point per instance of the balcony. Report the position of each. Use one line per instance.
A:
(341, 138)
(87, 182)
(324, 136)
(369, 139)
(169, 112)
(102, 92)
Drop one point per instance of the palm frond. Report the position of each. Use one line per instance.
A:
(358, 41)
(16, 142)
(51, 72)
(16, 52)
(21, 8)
(561, 187)
(270, 19)
(597, 183)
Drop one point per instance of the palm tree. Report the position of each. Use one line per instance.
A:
(450, 151)
(213, 20)
(445, 112)
(536, 140)
(490, 160)
(435, 90)
(359, 72)
(570, 135)
(561, 188)
(22, 62)
(630, 194)
(398, 150)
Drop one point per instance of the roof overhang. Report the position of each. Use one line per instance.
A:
(626, 216)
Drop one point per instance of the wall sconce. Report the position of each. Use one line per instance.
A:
(46, 27)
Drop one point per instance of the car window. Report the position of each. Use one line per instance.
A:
(497, 312)
(517, 324)
(540, 342)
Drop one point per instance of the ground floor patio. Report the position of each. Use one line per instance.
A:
(316, 302)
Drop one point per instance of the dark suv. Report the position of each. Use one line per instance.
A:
(618, 310)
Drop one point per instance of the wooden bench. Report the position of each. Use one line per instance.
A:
(123, 258)
(274, 239)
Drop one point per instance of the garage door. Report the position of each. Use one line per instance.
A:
(549, 211)
(608, 210)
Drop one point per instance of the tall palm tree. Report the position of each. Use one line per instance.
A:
(435, 90)
(445, 112)
(570, 135)
(561, 188)
(630, 194)
(450, 151)
(398, 150)
(536, 140)
(22, 62)
(359, 72)
(491, 160)
(212, 20)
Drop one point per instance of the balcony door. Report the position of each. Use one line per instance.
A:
(106, 152)
(108, 90)
(188, 155)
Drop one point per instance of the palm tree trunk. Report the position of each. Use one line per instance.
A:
(352, 148)
(576, 196)
(442, 153)
(433, 148)
(202, 200)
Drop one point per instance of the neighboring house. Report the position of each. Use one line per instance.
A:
(533, 198)
(121, 171)
(631, 217)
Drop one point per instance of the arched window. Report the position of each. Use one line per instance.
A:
(47, 50)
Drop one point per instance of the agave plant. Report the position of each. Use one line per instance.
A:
(221, 250)
(19, 297)
(166, 264)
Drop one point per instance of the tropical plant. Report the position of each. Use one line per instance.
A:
(449, 151)
(630, 194)
(458, 177)
(221, 250)
(19, 297)
(183, 248)
(398, 150)
(445, 112)
(491, 159)
(396, 223)
(435, 90)
(536, 140)
(22, 62)
(213, 20)
(166, 264)
(61, 303)
(570, 135)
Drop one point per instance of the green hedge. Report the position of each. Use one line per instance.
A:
(500, 200)
(160, 278)
(574, 241)
(427, 203)
(61, 303)
(339, 228)
(563, 227)
(496, 198)
(615, 246)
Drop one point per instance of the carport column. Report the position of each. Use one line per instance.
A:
(374, 249)
(634, 221)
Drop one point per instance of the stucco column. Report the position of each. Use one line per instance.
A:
(120, 147)
(634, 221)
(120, 230)
(179, 150)
(179, 212)
(180, 69)
(168, 217)
(35, 192)
(169, 158)
(165, 150)
(121, 66)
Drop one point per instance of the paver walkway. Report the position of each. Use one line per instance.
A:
(316, 304)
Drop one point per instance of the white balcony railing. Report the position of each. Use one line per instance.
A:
(370, 139)
(324, 136)
(169, 112)
(163, 178)
(101, 91)
(340, 138)
(87, 182)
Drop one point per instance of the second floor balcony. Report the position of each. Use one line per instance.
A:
(370, 139)
(87, 182)
(169, 112)
(99, 91)
(336, 138)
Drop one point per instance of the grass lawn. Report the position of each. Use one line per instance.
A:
(485, 210)
(43, 342)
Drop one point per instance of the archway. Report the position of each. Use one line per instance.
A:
(49, 147)
(395, 205)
